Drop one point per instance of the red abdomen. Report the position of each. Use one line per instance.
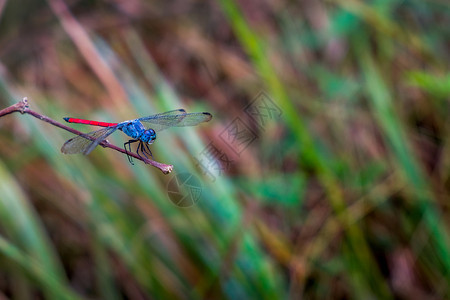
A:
(89, 122)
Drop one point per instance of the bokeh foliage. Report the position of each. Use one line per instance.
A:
(343, 196)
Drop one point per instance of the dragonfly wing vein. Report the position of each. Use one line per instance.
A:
(164, 120)
(175, 118)
(80, 144)
(193, 119)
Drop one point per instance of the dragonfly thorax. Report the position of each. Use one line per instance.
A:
(136, 130)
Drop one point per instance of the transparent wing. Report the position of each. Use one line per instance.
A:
(175, 118)
(164, 120)
(80, 144)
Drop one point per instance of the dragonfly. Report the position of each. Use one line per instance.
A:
(142, 131)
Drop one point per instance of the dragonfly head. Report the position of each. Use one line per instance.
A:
(148, 136)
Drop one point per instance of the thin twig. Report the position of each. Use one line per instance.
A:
(23, 108)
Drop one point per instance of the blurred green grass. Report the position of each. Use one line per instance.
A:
(344, 196)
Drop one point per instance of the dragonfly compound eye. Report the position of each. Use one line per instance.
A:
(149, 136)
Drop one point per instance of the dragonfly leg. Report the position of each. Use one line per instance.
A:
(144, 150)
(140, 147)
(129, 149)
(148, 150)
(137, 150)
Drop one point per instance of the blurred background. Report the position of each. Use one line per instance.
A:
(324, 173)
